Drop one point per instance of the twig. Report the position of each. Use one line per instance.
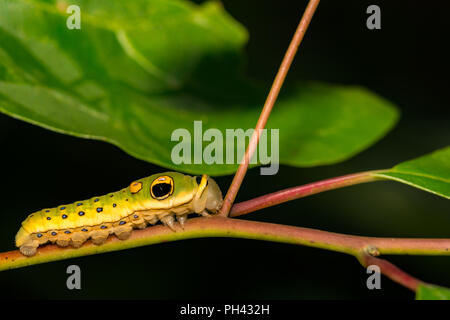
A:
(289, 194)
(223, 227)
(268, 105)
(391, 271)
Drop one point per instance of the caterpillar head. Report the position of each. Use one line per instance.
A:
(208, 194)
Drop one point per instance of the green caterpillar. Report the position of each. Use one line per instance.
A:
(160, 197)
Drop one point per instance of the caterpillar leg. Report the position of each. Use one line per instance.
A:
(168, 221)
(123, 232)
(138, 221)
(152, 219)
(182, 219)
(204, 213)
(99, 236)
(78, 238)
(29, 247)
(63, 240)
(141, 225)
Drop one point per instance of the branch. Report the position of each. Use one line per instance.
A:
(268, 105)
(391, 271)
(289, 194)
(215, 226)
(363, 248)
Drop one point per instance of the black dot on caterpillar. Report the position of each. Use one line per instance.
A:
(162, 197)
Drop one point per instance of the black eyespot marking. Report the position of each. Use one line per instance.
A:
(47, 210)
(99, 209)
(84, 229)
(67, 232)
(114, 205)
(136, 216)
(161, 189)
(48, 218)
(39, 235)
(79, 203)
(121, 222)
(81, 213)
(64, 216)
(96, 199)
(111, 196)
(198, 179)
(54, 233)
(103, 227)
(62, 208)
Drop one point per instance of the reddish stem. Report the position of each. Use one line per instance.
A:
(364, 248)
(391, 271)
(289, 194)
(268, 105)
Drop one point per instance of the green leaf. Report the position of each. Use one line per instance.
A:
(430, 172)
(432, 292)
(138, 70)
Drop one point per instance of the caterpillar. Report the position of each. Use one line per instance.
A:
(160, 197)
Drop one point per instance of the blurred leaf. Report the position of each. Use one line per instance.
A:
(138, 70)
(430, 172)
(432, 292)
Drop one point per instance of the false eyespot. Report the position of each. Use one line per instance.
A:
(161, 187)
(119, 212)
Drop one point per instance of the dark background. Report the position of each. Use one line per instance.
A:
(406, 62)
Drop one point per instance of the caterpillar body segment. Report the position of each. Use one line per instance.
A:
(167, 197)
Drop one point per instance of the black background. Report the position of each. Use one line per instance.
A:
(406, 62)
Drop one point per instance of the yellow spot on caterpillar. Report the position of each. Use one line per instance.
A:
(135, 187)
